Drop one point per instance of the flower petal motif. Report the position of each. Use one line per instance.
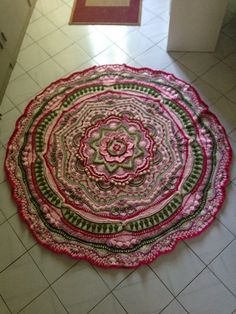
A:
(117, 148)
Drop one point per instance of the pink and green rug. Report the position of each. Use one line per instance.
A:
(115, 165)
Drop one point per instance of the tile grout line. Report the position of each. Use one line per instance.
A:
(48, 288)
(116, 286)
(51, 10)
(10, 264)
(89, 311)
(20, 310)
(234, 235)
(3, 300)
(222, 282)
(149, 266)
(234, 294)
(119, 302)
(175, 299)
(36, 40)
(182, 306)
(49, 284)
(206, 266)
(175, 296)
(28, 251)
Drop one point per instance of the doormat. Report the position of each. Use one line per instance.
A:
(116, 164)
(121, 12)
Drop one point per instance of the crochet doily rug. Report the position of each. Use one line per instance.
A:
(115, 165)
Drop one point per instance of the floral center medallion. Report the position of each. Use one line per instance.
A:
(115, 165)
(116, 150)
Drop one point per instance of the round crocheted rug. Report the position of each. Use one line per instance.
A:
(116, 164)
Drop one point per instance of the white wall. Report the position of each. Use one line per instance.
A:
(195, 24)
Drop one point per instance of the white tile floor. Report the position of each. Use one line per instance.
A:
(200, 275)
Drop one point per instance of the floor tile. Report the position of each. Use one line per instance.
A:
(116, 32)
(158, 6)
(60, 16)
(94, 43)
(32, 56)
(178, 268)
(44, 77)
(224, 266)
(2, 219)
(51, 264)
(40, 28)
(69, 2)
(71, 57)
(209, 94)
(232, 6)
(35, 15)
(142, 292)
(230, 29)
(6, 105)
(46, 6)
(75, 294)
(7, 205)
(232, 134)
(155, 58)
(46, 303)
(23, 105)
(113, 277)
(232, 95)
(229, 16)
(198, 62)
(55, 42)
(231, 61)
(22, 88)
(225, 111)
(7, 125)
(133, 63)
(27, 41)
(155, 30)
(206, 294)
(134, 44)
(180, 71)
(27, 281)
(147, 16)
(107, 306)
(111, 55)
(221, 77)
(211, 242)
(174, 308)
(11, 248)
(225, 46)
(17, 71)
(86, 65)
(227, 214)
(22, 231)
(76, 32)
(3, 307)
(165, 16)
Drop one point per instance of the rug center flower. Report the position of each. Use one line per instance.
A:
(116, 150)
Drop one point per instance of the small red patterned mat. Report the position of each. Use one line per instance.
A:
(127, 12)
(115, 165)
